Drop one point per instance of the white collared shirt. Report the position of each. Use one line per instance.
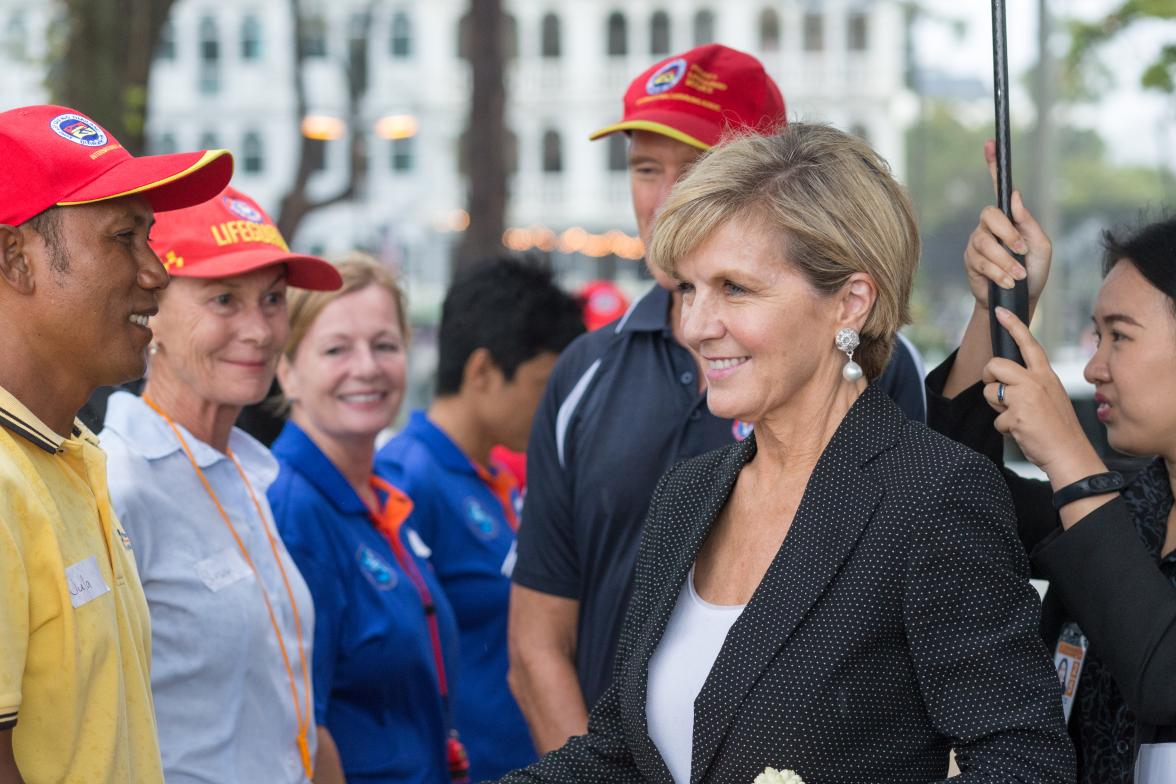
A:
(222, 694)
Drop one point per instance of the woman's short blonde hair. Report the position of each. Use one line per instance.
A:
(358, 270)
(834, 203)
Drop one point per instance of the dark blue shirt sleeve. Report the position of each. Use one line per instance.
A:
(547, 557)
(902, 380)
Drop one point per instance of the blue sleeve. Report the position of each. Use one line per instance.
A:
(414, 480)
(300, 523)
(547, 557)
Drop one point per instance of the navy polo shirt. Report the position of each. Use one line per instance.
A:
(622, 406)
(375, 680)
(463, 523)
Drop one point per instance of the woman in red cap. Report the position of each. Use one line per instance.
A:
(232, 620)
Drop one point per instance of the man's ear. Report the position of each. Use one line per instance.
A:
(856, 300)
(15, 269)
(479, 372)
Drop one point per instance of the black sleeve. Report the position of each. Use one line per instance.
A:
(968, 419)
(604, 755)
(547, 556)
(1113, 587)
(971, 619)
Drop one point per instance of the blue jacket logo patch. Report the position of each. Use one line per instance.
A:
(481, 522)
(376, 569)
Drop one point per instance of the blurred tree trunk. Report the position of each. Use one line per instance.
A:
(297, 203)
(485, 139)
(106, 57)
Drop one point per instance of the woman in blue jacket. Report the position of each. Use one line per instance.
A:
(386, 639)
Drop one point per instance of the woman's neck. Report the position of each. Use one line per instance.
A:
(792, 439)
(210, 422)
(456, 420)
(353, 457)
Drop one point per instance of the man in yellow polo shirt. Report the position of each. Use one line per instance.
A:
(77, 284)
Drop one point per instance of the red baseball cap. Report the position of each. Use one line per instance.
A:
(695, 97)
(602, 302)
(55, 156)
(230, 235)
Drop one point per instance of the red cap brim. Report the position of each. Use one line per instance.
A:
(169, 182)
(683, 127)
(304, 272)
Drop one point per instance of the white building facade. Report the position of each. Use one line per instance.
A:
(224, 77)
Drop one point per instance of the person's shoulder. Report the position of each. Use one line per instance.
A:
(582, 354)
(944, 469)
(406, 457)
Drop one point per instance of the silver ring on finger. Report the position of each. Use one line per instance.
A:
(1000, 393)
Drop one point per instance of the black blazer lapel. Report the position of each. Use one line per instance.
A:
(714, 495)
(836, 507)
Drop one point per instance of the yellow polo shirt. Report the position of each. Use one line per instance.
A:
(75, 636)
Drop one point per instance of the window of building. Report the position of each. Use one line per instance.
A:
(860, 130)
(314, 37)
(400, 43)
(510, 32)
(814, 32)
(166, 48)
(659, 33)
(209, 141)
(704, 27)
(357, 50)
(552, 152)
(617, 35)
(549, 44)
(402, 158)
(209, 56)
(316, 153)
(250, 38)
(164, 144)
(769, 30)
(858, 34)
(618, 152)
(253, 153)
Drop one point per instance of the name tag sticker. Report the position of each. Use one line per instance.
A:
(220, 570)
(85, 582)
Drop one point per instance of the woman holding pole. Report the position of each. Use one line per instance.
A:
(1107, 545)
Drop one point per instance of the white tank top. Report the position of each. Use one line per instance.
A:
(677, 671)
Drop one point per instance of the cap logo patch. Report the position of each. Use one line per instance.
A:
(666, 77)
(78, 130)
(244, 209)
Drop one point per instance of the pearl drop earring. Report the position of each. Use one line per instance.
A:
(847, 340)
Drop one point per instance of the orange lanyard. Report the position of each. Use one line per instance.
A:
(303, 718)
(502, 483)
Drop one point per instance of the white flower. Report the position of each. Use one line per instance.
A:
(773, 776)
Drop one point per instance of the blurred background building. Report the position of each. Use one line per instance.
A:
(347, 117)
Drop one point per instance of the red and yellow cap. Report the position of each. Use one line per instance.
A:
(55, 156)
(230, 235)
(697, 96)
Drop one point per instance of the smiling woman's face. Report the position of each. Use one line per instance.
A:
(219, 339)
(346, 381)
(1134, 368)
(766, 334)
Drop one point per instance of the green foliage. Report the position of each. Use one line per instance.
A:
(1087, 37)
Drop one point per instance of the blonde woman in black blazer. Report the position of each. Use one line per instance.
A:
(843, 593)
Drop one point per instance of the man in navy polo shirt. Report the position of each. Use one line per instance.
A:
(623, 405)
(502, 328)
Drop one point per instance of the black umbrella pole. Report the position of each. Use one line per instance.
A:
(1017, 298)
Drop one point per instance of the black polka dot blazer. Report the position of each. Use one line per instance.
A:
(895, 622)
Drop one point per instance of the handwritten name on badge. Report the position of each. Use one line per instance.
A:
(220, 570)
(85, 582)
